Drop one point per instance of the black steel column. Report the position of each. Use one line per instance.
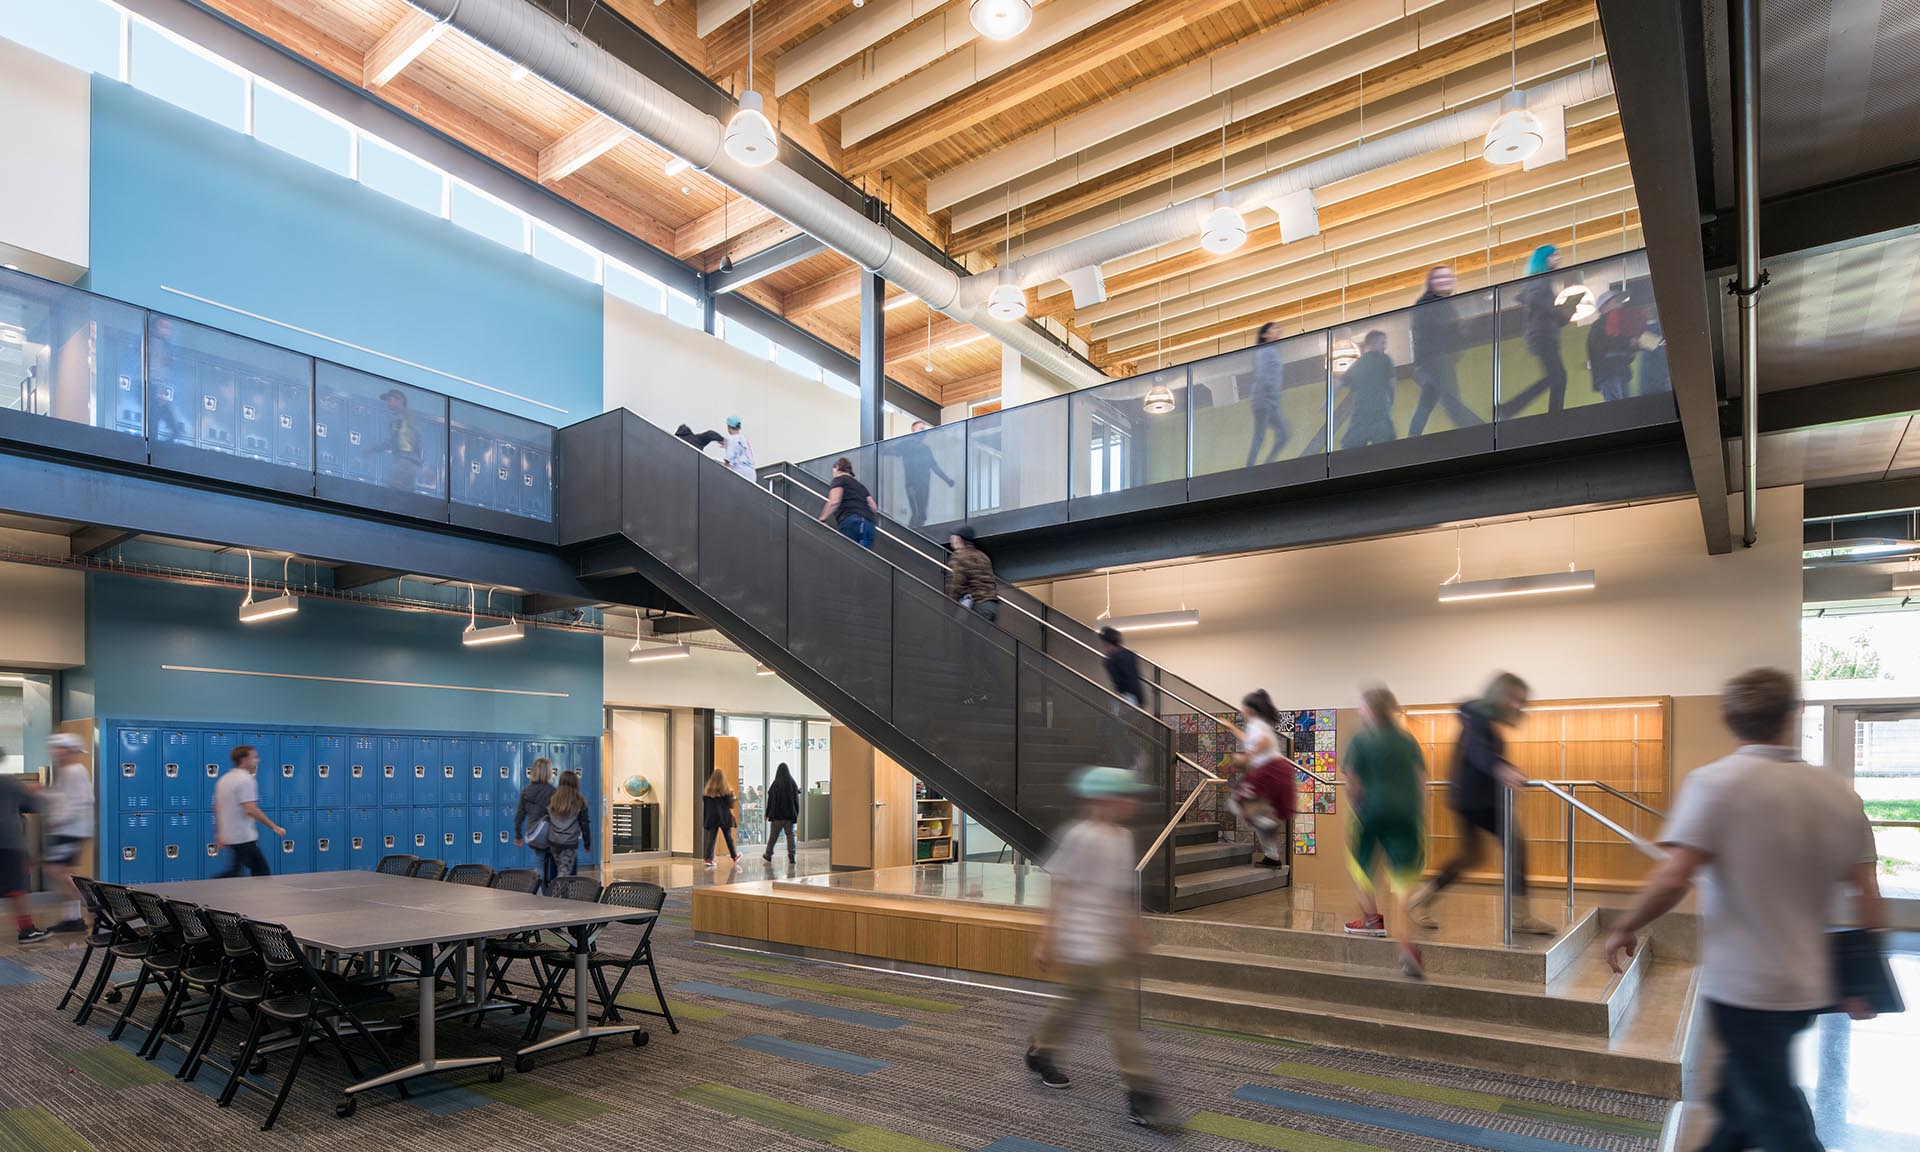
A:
(873, 347)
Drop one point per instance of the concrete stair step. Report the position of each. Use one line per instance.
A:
(1207, 856)
(1197, 832)
(1220, 884)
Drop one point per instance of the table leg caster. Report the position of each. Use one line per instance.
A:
(640, 1039)
(523, 1064)
(497, 1073)
(347, 1107)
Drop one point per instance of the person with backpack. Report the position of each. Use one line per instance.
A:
(716, 804)
(532, 809)
(569, 827)
(783, 812)
(1264, 796)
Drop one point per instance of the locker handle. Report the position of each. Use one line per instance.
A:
(446, 771)
(128, 853)
(128, 770)
(286, 771)
(357, 771)
(359, 842)
(173, 771)
(323, 770)
(322, 843)
(419, 771)
(173, 851)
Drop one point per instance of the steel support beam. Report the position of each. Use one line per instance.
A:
(1652, 58)
(1863, 499)
(765, 262)
(350, 576)
(93, 541)
(1833, 216)
(1834, 402)
(873, 351)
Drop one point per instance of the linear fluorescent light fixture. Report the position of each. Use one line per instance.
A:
(254, 611)
(1545, 582)
(511, 630)
(1148, 621)
(639, 655)
(762, 670)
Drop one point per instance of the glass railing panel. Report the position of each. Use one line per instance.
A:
(923, 477)
(500, 461)
(70, 355)
(1129, 434)
(864, 460)
(1016, 459)
(839, 611)
(1421, 377)
(1585, 339)
(379, 431)
(1265, 405)
(224, 393)
(953, 686)
(1067, 725)
(743, 547)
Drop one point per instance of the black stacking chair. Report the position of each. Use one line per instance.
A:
(129, 943)
(242, 985)
(160, 963)
(471, 875)
(200, 972)
(299, 997)
(640, 896)
(100, 935)
(396, 864)
(428, 869)
(501, 954)
(515, 880)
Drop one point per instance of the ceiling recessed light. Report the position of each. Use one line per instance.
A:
(518, 74)
(685, 191)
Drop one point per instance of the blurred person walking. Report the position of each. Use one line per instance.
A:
(716, 815)
(402, 445)
(850, 506)
(532, 809)
(1778, 838)
(1094, 940)
(1386, 783)
(970, 574)
(1269, 379)
(1369, 382)
(739, 451)
(70, 825)
(1613, 344)
(1542, 318)
(1122, 665)
(1481, 771)
(1435, 334)
(783, 812)
(569, 827)
(1265, 794)
(919, 466)
(237, 816)
(16, 800)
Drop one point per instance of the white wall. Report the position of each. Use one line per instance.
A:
(44, 202)
(42, 610)
(671, 375)
(1313, 626)
(708, 679)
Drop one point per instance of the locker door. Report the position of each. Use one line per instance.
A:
(293, 424)
(505, 854)
(138, 777)
(480, 837)
(363, 774)
(425, 831)
(455, 847)
(329, 773)
(557, 752)
(583, 756)
(330, 850)
(293, 771)
(219, 403)
(295, 844)
(479, 772)
(363, 838)
(215, 747)
(256, 417)
(456, 756)
(182, 786)
(180, 846)
(330, 433)
(536, 750)
(396, 780)
(425, 766)
(267, 744)
(512, 774)
(139, 861)
(396, 831)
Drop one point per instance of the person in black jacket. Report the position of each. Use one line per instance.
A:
(1435, 333)
(783, 812)
(1613, 344)
(1480, 771)
(1123, 667)
(1542, 317)
(716, 804)
(1370, 384)
(532, 809)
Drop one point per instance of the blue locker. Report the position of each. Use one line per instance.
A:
(119, 354)
(139, 772)
(396, 829)
(182, 851)
(295, 844)
(363, 772)
(396, 780)
(182, 785)
(139, 848)
(267, 744)
(455, 847)
(425, 766)
(505, 853)
(583, 757)
(481, 823)
(365, 433)
(363, 839)
(425, 832)
(218, 414)
(293, 424)
(329, 772)
(479, 772)
(510, 771)
(215, 759)
(330, 844)
(256, 417)
(455, 758)
(293, 771)
(330, 432)
(536, 750)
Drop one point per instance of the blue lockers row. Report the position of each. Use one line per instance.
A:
(346, 798)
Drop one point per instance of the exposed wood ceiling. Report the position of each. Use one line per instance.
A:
(1101, 111)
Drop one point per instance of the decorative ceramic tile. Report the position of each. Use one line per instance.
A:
(1323, 739)
(1305, 834)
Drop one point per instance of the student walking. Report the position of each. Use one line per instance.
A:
(1481, 771)
(532, 809)
(70, 828)
(1542, 317)
(1434, 332)
(918, 467)
(569, 827)
(716, 804)
(237, 816)
(850, 506)
(783, 812)
(739, 451)
(1386, 783)
(1123, 667)
(1370, 386)
(1093, 939)
(1269, 380)
(970, 574)
(1778, 838)
(16, 800)
(1264, 796)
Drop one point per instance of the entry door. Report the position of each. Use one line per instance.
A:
(1879, 747)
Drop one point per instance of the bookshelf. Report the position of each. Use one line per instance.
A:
(933, 827)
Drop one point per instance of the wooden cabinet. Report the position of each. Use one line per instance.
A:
(873, 806)
(933, 830)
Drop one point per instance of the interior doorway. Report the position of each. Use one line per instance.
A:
(1877, 746)
(639, 780)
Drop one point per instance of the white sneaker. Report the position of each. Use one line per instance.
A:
(1417, 906)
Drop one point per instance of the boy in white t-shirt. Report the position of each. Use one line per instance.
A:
(1093, 938)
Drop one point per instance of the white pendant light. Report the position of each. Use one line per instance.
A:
(750, 138)
(1149, 621)
(1514, 137)
(1585, 306)
(477, 637)
(1000, 19)
(656, 652)
(253, 611)
(1342, 353)
(1545, 582)
(1007, 302)
(1159, 399)
(1224, 231)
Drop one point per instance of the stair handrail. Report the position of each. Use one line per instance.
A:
(1210, 781)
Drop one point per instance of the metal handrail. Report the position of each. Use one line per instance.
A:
(1175, 822)
(1639, 843)
(1575, 784)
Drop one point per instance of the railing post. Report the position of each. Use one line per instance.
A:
(1506, 865)
(1570, 816)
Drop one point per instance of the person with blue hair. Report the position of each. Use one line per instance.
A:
(1542, 317)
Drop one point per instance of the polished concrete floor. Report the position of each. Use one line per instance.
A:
(690, 872)
(1013, 885)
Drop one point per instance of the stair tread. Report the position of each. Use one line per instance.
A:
(1217, 878)
(1195, 851)
(1590, 983)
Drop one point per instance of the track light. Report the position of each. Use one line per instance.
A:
(1148, 621)
(1159, 400)
(253, 611)
(473, 637)
(1007, 302)
(750, 134)
(1461, 590)
(639, 655)
(1513, 137)
(1000, 19)
(1224, 231)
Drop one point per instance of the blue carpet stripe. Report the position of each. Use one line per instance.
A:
(1472, 1135)
(1020, 1144)
(812, 1054)
(441, 1099)
(786, 1004)
(14, 973)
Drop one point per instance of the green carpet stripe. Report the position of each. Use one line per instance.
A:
(549, 1103)
(1580, 1118)
(763, 959)
(768, 1112)
(851, 992)
(111, 1066)
(675, 918)
(1199, 1030)
(867, 1138)
(1271, 1135)
(35, 1130)
(682, 1009)
(1389, 1086)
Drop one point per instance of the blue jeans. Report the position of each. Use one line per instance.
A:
(858, 529)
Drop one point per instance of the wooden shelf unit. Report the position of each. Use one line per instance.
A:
(933, 827)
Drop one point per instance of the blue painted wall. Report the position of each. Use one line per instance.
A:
(135, 625)
(184, 202)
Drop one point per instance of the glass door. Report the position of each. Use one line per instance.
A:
(1880, 748)
(751, 731)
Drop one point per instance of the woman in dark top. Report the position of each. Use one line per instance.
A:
(783, 812)
(1542, 317)
(1370, 384)
(716, 804)
(1269, 377)
(1434, 331)
(850, 506)
(533, 808)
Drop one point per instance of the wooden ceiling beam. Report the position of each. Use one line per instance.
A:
(580, 147)
(833, 288)
(1482, 44)
(410, 35)
(779, 26)
(971, 389)
(718, 226)
(671, 24)
(946, 333)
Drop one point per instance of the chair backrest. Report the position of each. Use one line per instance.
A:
(515, 880)
(234, 939)
(194, 930)
(279, 952)
(574, 888)
(396, 864)
(635, 894)
(120, 906)
(90, 898)
(472, 875)
(154, 914)
(428, 869)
